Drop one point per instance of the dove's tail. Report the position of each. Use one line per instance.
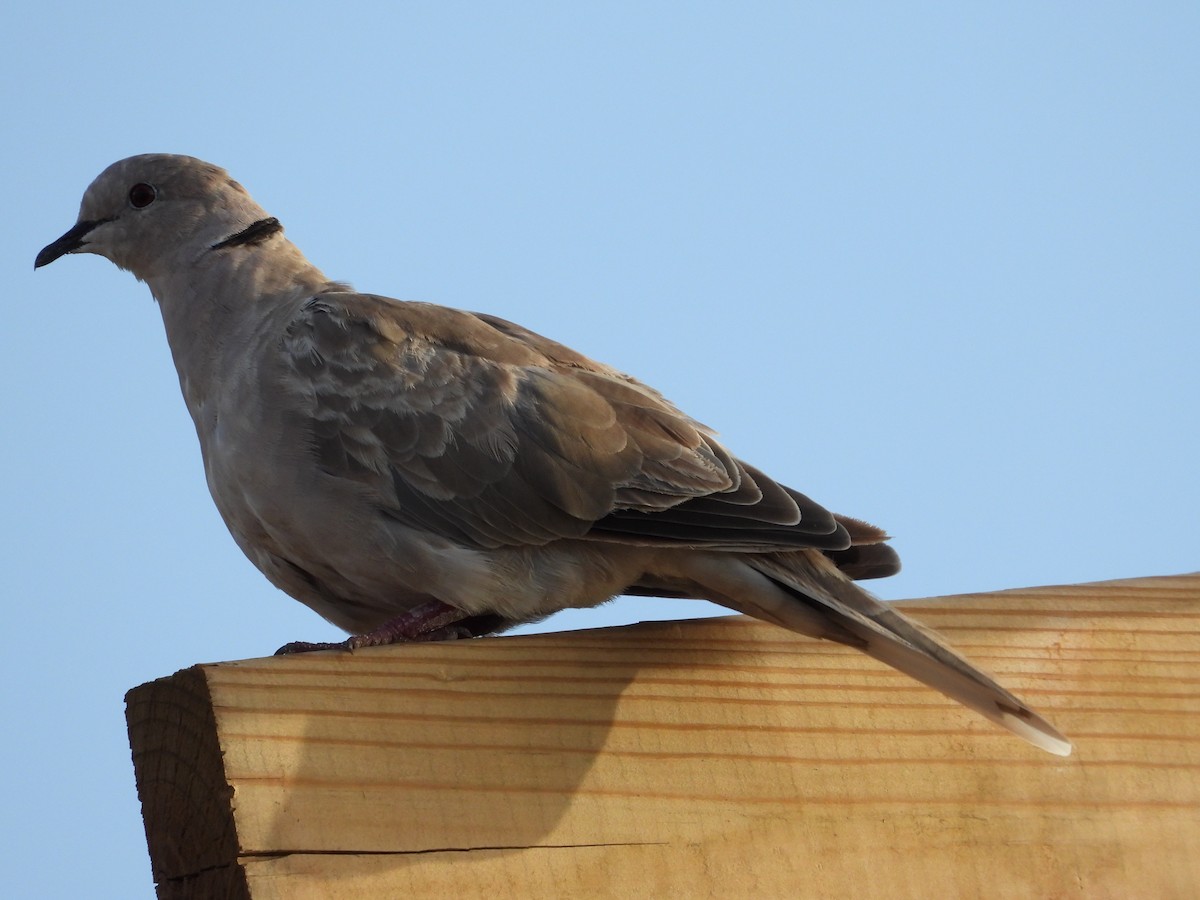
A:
(815, 598)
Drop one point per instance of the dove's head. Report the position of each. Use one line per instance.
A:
(156, 209)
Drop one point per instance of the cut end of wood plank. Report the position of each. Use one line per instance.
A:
(182, 785)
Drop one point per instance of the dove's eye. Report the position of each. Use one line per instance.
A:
(142, 195)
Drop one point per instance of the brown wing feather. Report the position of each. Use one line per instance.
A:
(489, 434)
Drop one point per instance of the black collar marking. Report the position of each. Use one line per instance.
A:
(252, 234)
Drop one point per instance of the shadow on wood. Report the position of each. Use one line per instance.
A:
(717, 757)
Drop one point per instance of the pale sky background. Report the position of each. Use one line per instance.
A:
(934, 264)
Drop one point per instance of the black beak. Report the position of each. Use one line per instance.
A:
(68, 243)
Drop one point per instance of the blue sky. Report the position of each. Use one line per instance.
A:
(933, 264)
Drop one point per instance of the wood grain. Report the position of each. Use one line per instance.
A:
(708, 758)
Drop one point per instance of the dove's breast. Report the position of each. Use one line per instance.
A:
(327, 538)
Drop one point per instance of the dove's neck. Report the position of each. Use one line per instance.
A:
(218, 306)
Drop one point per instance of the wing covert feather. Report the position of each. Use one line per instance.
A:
(486, 433)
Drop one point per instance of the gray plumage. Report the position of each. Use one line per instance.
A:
(413, 472)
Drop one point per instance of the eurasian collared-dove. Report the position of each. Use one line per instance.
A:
(413, 472)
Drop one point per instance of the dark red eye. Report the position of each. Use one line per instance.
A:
(142, 195)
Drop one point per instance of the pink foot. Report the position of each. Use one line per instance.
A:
(432, 621)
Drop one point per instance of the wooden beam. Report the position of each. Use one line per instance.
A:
(717, 757)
